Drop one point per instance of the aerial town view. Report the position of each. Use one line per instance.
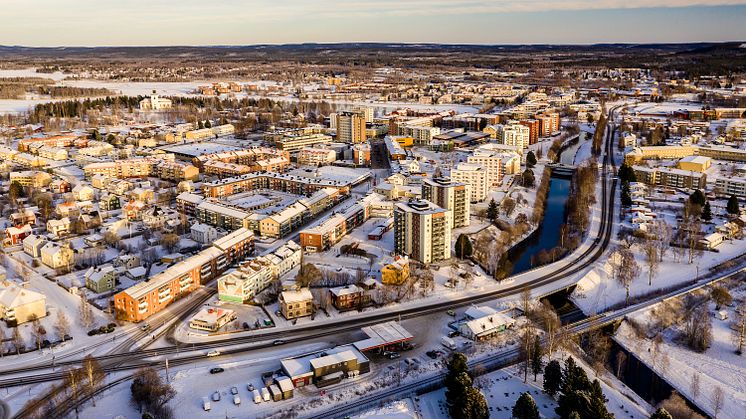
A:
(408, 209)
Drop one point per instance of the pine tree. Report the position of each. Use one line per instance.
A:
(528, 179)
(200, 125)
(536, 354)
(732, 206)
(552, 377)
(707, 212)
(456, 382)
(697, 197)
(530, 159)
(598, 402)
(476, 406)
(463, 247)
(208, 124)
(492, 210)
(626, 173)
(525, 407)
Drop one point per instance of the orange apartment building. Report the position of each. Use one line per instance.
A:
(146, 298)
(66, 140)
(533, 129)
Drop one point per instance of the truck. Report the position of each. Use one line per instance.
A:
(448, 343)
(257, 396)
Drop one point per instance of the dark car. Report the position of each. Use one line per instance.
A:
(432, 354)
(278, 342)
(216, 370)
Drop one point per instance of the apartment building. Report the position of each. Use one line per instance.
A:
(422, 135)
(549, 123)
(452, 195)
(729, 185)
(422, 231)
(516, 135)
(475, 176)
(66, 140)
(276, 181)
(146, 298)
(243, 284)
(293, 143)
(163, 167)
(31, 178)
(671, 177)
(533, 129)
(351, 126)
(496, 164)
(310, 156)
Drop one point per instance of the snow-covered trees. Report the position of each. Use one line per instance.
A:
(525, 407)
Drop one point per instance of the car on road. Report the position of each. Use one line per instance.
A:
(278, 342)
(145, 327)
(236, 400)
(214, 352)
(250, 387)
(451, 312)
(234, 390)
(216, 370)
(216, 396)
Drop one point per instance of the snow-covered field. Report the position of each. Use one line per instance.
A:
(717, 367)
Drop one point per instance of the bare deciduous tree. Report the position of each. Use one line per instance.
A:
(650, 250)
(62, 325)
(717, 400)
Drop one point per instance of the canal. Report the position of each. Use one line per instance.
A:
(547, 236)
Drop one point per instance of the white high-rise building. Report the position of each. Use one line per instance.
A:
(453, 196)
(475, 176)
(422, 231)
(515, 135)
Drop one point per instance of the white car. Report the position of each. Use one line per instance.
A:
(236, 400)
(206, 404)
(257, 396)
(213, 353)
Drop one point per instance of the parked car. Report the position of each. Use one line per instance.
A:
(250, 387)
(206, 404)
(236, 399)
(432, 354)
(265, 394)
(216, 396)
(214, 352)
(257, 396)
(216, 370)
(394, 355)
(234, 390)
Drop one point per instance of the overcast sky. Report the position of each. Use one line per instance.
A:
(244, 22)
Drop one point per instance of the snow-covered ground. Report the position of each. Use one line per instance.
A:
(717, 367)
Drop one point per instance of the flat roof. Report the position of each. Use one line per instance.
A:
(381, 335)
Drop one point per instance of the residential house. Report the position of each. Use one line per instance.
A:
(349, 297)
(20, 305)
(396, 272)
(83, 193)
(15, 235)
(101, 278)
(59, 227)
(203, 233)
(32, 245)
(296, 303)
(56, 255)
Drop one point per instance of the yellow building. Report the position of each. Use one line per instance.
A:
(695, 163)
(404, 141)
(19, 305)
(396, 272)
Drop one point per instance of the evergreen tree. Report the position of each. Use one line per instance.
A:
(525, 408)
(626, 173)
(697, 197)
(626, 196)
(456, 381)
(463, 247)
(15, 191)
(661, 413)
(476, 406)
(536, 354)
(528, 179)
(530, 159)
(707, 212)
(598, 402)
(733, 207)
(492, 210)
(552, 377)
(208, 124)
(200, 125)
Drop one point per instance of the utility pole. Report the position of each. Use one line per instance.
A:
(167, 377)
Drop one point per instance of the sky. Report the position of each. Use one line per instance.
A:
(248, 22)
